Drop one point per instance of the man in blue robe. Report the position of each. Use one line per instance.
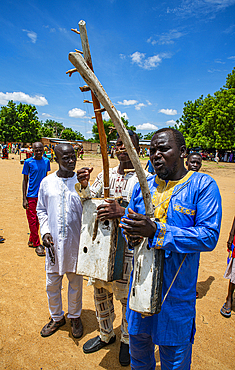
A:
(186, 220)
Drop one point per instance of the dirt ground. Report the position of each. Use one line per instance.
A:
(24, 310)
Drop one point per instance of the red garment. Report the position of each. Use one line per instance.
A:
(33, 221)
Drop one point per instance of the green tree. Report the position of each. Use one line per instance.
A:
(110, 134)
(19, 123)
(69, 134)
(8, 122)
(149, 135)
(51, 128)
(210, 122)
(230, 80)
(28, 124)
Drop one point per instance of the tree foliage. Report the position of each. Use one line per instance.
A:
(210, 122)
(51, 128)
(20, 123)
(110, 134)
(69, 134)
(149, 135)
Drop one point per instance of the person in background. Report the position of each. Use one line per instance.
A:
(4, 152)
(34, 170)
(194, 161)
(230, 273)
(81, 152)
(149, 167)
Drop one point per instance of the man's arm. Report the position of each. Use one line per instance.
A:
(201, 237)
(42, 212)
(24, 190)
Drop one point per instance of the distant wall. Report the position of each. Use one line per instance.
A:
(90, 147)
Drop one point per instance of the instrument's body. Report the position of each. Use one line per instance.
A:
(146, 289)
(101, 252)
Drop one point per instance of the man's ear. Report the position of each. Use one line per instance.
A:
(182, 151)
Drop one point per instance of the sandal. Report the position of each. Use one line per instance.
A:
(40, 250)
(30, 244)
(226, 312)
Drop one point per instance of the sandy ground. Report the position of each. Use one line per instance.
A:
(24, 309)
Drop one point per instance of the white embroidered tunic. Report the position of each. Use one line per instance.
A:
(59, 211)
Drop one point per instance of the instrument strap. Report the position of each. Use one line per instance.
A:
(174, 279)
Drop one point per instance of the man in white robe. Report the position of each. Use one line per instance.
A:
(59, 211)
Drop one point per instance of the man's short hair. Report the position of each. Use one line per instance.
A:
(132, 134)
(193, 153)
(60, 146)
(178, 136)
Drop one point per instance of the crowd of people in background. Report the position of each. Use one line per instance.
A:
(26, 151)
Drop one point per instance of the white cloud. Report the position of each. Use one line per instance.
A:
(147, 126)
(168, 112)
(148, 102)
(139, 106)
(76, 113)
(122, 56)
(166, 38)
(106, 115)
(23, 98)
(230, 29)
(128, 102)
(150, 62)
(137, 57)
(212, 70)
(219, 61)
(171, 122)
(32, 35)
(52, 30)
(124, 115)
(232, 57)
(89, 132)
(63, 30)
(46, 115)
(191, 8)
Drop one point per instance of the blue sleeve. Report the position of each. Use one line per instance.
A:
(26, 168)
(200, 237)
(48, 166)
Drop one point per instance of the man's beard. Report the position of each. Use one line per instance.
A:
(167, 173)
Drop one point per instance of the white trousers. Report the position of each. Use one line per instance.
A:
(53, 289)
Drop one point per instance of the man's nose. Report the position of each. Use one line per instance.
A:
(157, 154)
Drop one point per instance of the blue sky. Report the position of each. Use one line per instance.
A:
(150, 56)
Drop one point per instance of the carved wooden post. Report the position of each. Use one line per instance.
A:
(96, 105)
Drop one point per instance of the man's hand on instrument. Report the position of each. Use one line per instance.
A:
(110, 210)
(137, 225)
(83, 176)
